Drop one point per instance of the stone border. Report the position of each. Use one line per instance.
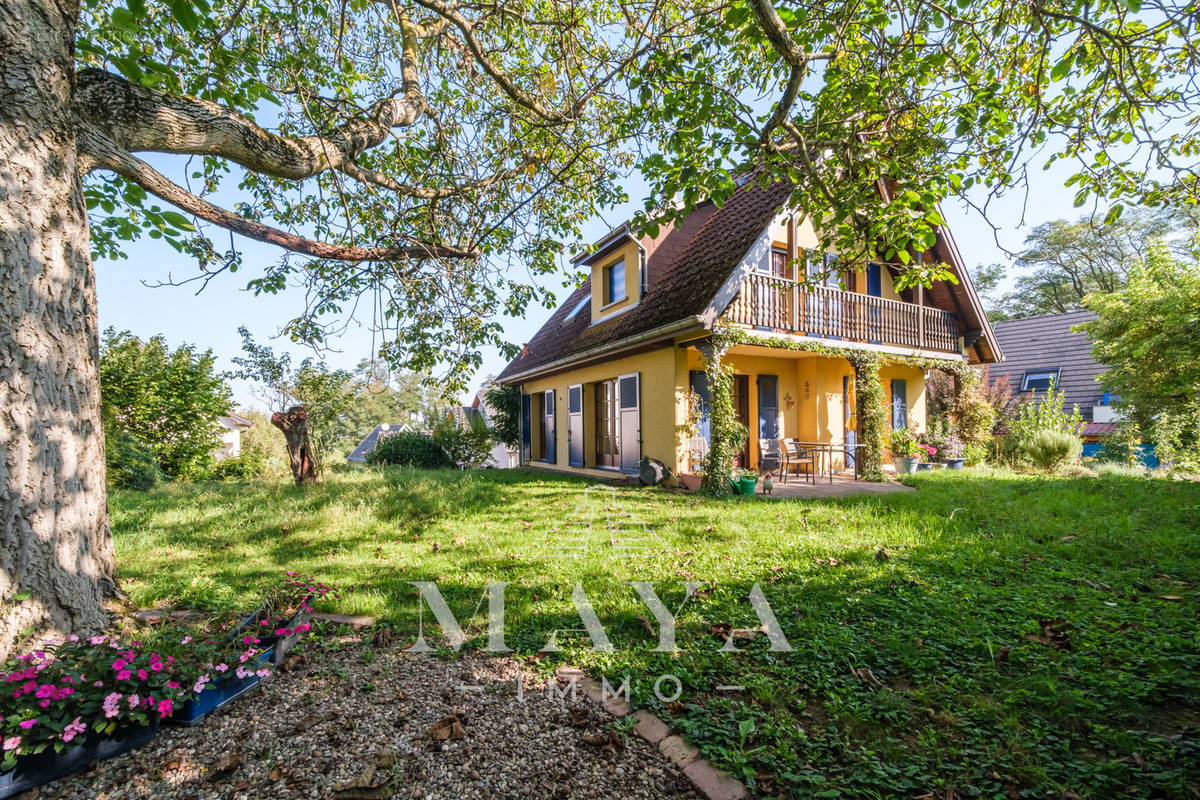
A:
(713, 783)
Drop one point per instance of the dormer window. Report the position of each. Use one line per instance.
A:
(1039, 380)
(614, 283)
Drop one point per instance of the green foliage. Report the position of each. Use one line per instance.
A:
(1043, 432)
(468, 444)
(904, 443)
(871, 413)
(505, 414)
(1146, 336)
(727, 435)
(168, 400)
(1049, 449)
(409, 448)
(129, 463)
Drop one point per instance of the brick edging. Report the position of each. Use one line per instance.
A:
(713, 783)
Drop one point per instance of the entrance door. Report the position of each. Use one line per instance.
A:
(848, 420)
(606, 424)
(741, 405)
(575, 425)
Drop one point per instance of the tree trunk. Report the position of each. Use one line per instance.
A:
(56, 552)
(294, 424)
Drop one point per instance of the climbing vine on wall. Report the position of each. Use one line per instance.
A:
(726, 433)
(871, 412)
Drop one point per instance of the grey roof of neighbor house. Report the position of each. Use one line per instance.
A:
(686, 266)
(359, 456)
(1046, 343)
(234, 421)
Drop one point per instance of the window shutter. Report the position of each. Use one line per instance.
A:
(551, 441)
(526, 428)
(699, 384)
(630, 421)
(768, 407)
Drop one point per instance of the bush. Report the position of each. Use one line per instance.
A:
(975, 454)
(467, 447)
(409, 449)
(131, 464)
(1050, 448)
(236, 469)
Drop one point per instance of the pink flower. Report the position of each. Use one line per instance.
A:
(199, 687)
(264, 672)
(73, 729)
(173, 684)
(164, 708)
(143, 675)
(123, 675)
(222, 667)
(134, 700)
(156, 666)
(27, 724)
(119, 664)
(185, 640)
(112, 705)
(12, 743)
(95, 640)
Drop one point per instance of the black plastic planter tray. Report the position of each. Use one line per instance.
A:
(43, 767)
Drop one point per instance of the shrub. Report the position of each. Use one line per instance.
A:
(975, 454)
(1050, 448)
(131, 464)
(409, 448)
(904, 443)
(235, 469)
(468, 446)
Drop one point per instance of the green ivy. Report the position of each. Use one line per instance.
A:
(727, 433)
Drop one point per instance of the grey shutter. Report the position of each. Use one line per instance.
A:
(699, 383)
(551, 439)
(768, 407)
(526, 428)
(629, 423)
(575, 425)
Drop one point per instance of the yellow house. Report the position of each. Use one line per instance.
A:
(618, 370)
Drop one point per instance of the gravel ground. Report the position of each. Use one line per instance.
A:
(356, 723)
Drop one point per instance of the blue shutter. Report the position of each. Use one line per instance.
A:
(526, 428)
(551, 439)
(768, 407)
(899, 404)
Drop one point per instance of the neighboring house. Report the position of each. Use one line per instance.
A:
(606, 380)
(367, 445)
(1040, 352)
(231, 426)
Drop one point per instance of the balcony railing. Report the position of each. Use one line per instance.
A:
(793, 307)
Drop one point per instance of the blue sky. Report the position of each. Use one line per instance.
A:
(211, 318)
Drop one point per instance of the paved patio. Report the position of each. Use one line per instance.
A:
(843, 485)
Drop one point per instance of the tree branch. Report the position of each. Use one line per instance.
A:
(101, 153)
(140, 119)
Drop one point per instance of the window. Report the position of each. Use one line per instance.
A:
(776, 263)
(606, 424)
(614, 283)
(1039, 380)
(583, 301)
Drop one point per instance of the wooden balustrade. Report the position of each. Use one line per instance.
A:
(780, 304)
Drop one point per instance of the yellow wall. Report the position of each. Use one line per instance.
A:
(633, 284)
(658, 406)
(916, 393)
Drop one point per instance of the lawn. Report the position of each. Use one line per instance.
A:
(990, 635)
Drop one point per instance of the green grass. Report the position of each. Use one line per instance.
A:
(961, 702)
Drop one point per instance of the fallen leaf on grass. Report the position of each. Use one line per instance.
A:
(646, 624)
(1050, 636)
(447, 728)
(1067, 539)
(882, 555)
(291, 662)
(276, 775)
(1174, 598)
(460, 540)
(226, 763)
(603, 741)
(1002, 655)
(865, 675)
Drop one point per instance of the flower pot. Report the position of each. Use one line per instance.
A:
(906, 465)
(219, 693)
(954, 463)
(690, 482)
(924, 466)
(34, 770)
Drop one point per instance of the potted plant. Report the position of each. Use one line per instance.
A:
(928, 453)
(906, 451)
(952, 451)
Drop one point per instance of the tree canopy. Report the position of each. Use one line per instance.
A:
(168, 400)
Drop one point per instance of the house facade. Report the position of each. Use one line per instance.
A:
(618, 371)
(230, 428)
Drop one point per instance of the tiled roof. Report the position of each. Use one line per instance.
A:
(368, 443)
(1099, 428)
(1047, 342)
(686, 268)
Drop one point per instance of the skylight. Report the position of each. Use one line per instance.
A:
(583, 301)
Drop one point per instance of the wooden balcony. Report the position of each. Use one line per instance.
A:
(779, 304)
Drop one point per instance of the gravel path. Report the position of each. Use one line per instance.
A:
(355, 723)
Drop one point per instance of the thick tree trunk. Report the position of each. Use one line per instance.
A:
(55, 543)
(294, 424)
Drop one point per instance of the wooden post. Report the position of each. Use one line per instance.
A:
(921, 316)
(793, 256)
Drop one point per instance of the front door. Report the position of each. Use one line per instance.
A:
(629, 430)
(575, 425)
(606, 424)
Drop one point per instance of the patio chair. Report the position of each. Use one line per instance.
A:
(796, 457)
(770, 457)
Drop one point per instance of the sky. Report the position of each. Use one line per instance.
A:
(128, 300)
